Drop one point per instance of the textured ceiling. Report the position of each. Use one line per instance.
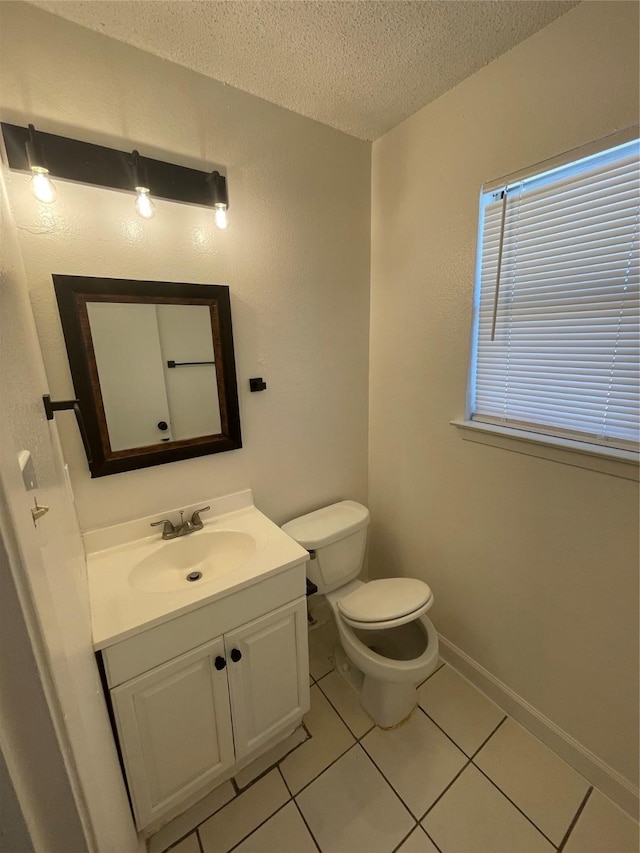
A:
(361, 66)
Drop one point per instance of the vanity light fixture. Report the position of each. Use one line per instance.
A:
(220, 199)
(98, 166)
(41, 185)
(143, 204)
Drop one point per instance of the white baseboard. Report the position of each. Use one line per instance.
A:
(585, 762)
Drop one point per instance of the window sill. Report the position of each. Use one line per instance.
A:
(606, 460)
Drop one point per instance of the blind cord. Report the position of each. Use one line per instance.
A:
(500, 246)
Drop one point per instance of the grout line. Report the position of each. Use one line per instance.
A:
(204, 820)
(487, 739)
(358, 742)
(457, 746)
(358, 739)
(174, 844)
(575, 819)
(324, 675)
(256, 828)
(389, 783)
(441, 795)
(317, 776)
(430, 837)
(264, 773)
(515, 805)
(199, 840)
(307, 825)
(285, 781)
(239, 794)
(276, 764)
(437, 669)
(398, 846)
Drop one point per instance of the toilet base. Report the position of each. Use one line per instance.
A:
(347, 671)
(389, 704)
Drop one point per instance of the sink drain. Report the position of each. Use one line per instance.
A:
(194, 576)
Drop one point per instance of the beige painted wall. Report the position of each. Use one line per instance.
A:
(296, 258)
(534, 564)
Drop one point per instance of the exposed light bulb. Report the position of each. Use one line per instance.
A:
(143, 204)
(220, 216)
(42, 186)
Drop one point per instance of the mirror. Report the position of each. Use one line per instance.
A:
(153, 369)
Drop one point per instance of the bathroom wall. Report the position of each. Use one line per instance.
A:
(534, 564)
(296, 259)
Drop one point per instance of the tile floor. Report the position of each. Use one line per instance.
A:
(459, 777)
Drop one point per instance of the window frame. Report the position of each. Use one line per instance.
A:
(571, 451)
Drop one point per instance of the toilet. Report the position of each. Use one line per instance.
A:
(388, 644)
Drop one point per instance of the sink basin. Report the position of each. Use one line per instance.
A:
(190, 561)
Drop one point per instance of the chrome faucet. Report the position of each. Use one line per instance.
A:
(171, 531)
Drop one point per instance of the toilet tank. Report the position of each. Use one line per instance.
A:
(336, 536)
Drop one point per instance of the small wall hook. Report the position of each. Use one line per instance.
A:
(257, 384)
(38, 511)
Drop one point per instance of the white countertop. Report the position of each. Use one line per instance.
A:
(119, 611)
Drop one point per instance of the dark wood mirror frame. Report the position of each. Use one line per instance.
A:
(73, 293)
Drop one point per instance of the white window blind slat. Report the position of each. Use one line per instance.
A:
(564, 354)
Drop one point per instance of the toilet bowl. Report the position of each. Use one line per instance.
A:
(388, 644)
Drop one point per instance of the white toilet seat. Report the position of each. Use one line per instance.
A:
(377, 666)
(385, 603)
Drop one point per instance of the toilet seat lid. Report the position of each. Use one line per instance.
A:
(395, 600)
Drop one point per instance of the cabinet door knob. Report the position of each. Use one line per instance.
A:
(220, 662)
(236, 655)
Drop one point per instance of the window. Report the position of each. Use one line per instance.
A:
(556, 338)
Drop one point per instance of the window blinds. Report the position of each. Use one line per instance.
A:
(556, 342)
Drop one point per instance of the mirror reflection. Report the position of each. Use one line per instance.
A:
(158, 382)
(153, 369)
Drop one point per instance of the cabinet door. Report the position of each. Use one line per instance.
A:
(174, 725)
(268, 665)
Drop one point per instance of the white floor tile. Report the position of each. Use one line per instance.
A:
(474, 817)
(417, 842)
(417, 759)
(351, 808)
(285, 832)
(547, 790)
(191, 818)
(346, 703)
(464, 713)
(322, 641)
(242, 815)
(188, 845)
(329, 739)
(601, 827)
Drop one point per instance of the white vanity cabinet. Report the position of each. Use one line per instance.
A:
(198, 696)
(174, 728)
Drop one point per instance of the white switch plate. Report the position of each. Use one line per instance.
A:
(28, 470)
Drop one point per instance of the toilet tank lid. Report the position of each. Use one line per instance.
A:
(327, 525)
(386, 600)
